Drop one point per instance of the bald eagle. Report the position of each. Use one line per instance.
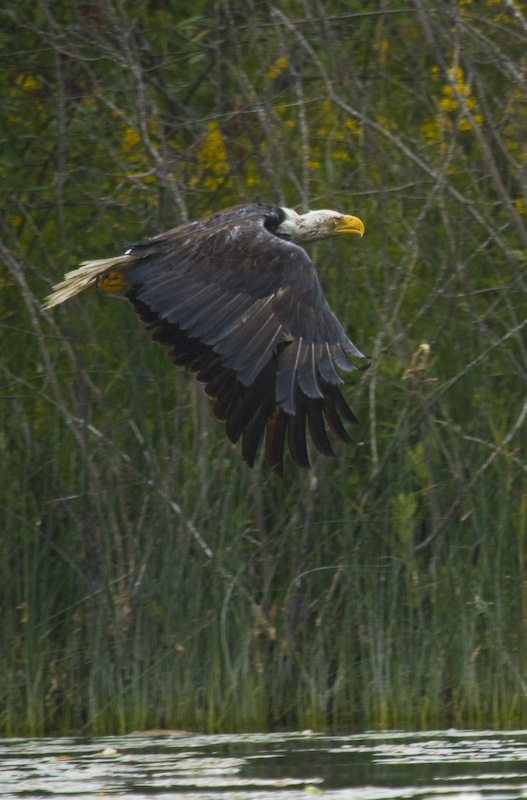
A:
(237, 300)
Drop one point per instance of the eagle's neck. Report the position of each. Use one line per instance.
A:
(297, 227)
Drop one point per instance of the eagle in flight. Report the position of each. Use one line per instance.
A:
(237, 300)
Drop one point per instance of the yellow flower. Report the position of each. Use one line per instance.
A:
(448, 104)
(26, 82)
(277, 68)
(130, 138)
(213, 162)
(353, 127)
(449, 101)
(430, 131)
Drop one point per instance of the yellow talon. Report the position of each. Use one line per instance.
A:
(112, 283)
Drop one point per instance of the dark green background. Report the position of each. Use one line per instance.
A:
(147, 577)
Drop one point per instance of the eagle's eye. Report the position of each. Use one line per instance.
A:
(335, 221)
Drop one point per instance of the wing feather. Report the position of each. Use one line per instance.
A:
(340, 359)
(307, 371)
(341, 407)
(257, 360)
(226, 320)
(252, 434)
(286, 377)
(317, 429)
(249, 327)
(325, 363)
(296, 438)
(190, 298)
(201, 307)
(275, 434)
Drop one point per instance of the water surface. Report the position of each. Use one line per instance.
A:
(285, 766)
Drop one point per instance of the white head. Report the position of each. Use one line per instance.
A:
(317, 225)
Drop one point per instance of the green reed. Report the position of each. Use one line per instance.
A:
(148, 579)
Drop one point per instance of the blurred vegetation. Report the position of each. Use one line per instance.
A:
(147, 577)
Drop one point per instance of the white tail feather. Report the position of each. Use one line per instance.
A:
(79, 279)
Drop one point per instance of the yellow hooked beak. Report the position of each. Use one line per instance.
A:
(348, 224)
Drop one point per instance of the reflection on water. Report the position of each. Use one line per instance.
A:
(158, 766)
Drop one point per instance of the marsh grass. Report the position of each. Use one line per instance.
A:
(147, 592)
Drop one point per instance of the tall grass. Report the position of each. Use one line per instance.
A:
(148, 579)
(142, 591)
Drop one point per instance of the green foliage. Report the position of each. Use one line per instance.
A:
(147, 577)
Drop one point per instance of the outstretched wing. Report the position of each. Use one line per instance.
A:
(244, 310)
